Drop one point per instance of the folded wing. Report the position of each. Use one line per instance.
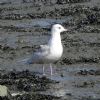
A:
(40, 55)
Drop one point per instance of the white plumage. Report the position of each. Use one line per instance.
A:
(52, 51)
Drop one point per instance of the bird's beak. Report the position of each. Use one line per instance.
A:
(65, 29)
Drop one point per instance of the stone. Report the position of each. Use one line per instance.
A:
(3, 90)
(4, 93)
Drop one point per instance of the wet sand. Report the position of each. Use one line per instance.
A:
(26, 25)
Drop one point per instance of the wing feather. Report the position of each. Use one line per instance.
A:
(40, 54)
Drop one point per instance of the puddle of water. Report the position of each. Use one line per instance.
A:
(47, 22)
(43, 23)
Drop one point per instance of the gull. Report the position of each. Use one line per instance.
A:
(50, 53)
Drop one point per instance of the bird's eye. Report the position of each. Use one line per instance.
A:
(59, 27)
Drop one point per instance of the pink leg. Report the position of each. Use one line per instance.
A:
(43, 70)
(51, 71)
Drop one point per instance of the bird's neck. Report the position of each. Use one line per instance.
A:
(55, 39)
(55, 44)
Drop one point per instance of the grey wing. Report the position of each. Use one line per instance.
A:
(44, 48)
(38, 56)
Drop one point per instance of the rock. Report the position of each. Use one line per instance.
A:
(4, 92)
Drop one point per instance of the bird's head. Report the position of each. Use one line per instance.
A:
(58, 28)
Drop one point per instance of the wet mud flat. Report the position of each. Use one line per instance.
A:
(24, 25)
(71, 83)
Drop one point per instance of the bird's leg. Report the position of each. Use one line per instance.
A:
(51, 72)
(43, 70)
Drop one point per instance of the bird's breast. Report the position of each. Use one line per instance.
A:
(56, 52)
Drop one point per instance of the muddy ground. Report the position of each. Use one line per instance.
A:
(25, 24)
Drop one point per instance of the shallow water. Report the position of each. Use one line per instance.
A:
(43, 23)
